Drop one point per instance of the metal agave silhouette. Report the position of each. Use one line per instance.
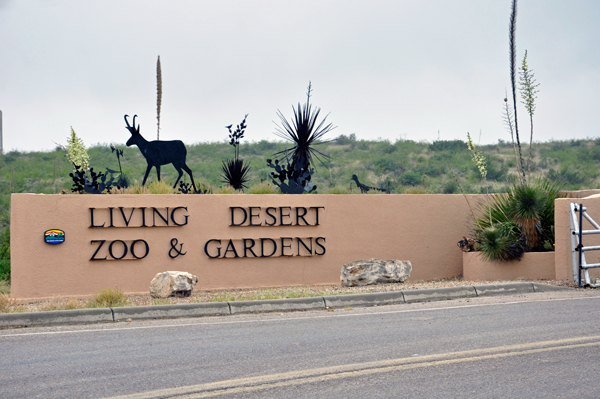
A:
(235, 173)
(304, 132)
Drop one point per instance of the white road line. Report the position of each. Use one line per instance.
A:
(258, 383)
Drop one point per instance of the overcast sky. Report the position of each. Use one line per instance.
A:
(417, 70)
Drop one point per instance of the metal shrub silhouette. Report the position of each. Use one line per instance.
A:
(158, 153)
(97, 183)
(122, 181)
(186, 188)
(235, 171)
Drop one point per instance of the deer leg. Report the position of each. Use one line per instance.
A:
(178, 177)
(189, 172)
(146, 175)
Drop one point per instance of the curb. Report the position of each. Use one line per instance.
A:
(170, 311)
(277, 305)
(105, 315)
(504, 289)
(439, 294)
(56, 317)
(362, 300)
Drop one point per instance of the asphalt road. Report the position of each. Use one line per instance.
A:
(527, 346)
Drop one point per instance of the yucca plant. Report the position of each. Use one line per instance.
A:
(527, 211)
(304, 132)
(500, 241)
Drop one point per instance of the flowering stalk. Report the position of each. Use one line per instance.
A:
(478, 157)
(158, 96)
(76, 152)
(508, 120)
(479, 161)
(528, 94)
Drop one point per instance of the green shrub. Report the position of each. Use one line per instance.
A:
(264, 188)
(107, 298)
(521, 220)
(4, 287)
(7, 303)
(5, 254)
(411, 179)
(341, 190)
(226, 190)
(154, 187)
(500, 241)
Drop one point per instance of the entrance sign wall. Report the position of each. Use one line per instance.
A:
(228, 241)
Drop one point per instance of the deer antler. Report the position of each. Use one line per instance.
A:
(132, 130)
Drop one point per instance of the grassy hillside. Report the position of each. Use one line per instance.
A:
(403, 166)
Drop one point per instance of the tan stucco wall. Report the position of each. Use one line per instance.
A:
(533, 266)
(564, 260)
(421, 228)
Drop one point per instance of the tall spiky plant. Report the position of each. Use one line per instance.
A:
(512, 29)
(304, 132)
(158, 96)
(528, 95)
(526, 210)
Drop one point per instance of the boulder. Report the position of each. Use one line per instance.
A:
(375, 271)
(168, 284)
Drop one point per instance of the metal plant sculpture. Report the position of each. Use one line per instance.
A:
(235, 172)
(158, 153)
(123, 182)
(364, 188)
(304, 132)
(97, 183)
(235, 136)
(186, 188)
(291, 179)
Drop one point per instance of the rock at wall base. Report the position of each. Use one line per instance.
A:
(375, 271)
(171, 283)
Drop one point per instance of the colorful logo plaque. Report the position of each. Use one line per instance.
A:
(54, 236)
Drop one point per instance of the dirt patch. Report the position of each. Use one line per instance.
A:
(265, 293)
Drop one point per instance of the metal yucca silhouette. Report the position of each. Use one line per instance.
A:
(304, 132)
(235, 173)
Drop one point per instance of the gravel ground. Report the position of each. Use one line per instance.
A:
(256, 294)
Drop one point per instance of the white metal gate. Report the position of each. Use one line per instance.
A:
(580, 266)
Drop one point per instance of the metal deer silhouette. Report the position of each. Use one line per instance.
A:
(159, 153)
